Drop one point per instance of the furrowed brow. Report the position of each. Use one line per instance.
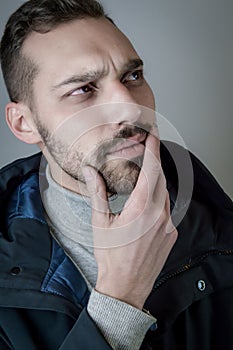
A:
(77, 79)
(132, 64)
(95, 75)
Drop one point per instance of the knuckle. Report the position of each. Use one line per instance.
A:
(163, 218)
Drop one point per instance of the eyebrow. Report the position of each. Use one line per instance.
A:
(132, 64)
(95, 75)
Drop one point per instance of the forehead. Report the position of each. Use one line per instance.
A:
(78, 44)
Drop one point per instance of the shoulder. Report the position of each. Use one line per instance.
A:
(12, 174)
(186, 174)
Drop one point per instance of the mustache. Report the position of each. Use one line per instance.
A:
(130, 131)
(127, 132)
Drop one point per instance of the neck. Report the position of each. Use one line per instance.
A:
(68, 182)
(65, 180)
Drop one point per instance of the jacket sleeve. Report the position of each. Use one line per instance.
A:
(85, 335)
(3, 343)
(48, 330)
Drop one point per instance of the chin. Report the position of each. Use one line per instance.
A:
(121, 177)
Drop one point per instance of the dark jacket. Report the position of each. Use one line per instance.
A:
(43, 297)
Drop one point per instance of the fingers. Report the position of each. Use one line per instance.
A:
(151, 163)
(97, 191)
(153, 142)
(150, 171)
(170, 228)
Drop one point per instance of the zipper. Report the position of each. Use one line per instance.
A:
(189, 266)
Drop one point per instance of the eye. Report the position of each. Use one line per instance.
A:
(82, 90)
(137, 76)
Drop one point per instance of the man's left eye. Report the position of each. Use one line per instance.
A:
(137, 75)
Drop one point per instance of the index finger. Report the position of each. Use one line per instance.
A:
(151, 167)
(148, 179)
(97, 191)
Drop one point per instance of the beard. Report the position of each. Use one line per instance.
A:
(120, 175)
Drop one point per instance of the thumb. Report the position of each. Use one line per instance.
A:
(97, 191)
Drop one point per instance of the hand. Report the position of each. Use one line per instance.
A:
(131, 248)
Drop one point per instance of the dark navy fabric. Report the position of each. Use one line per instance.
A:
(64, 279)
(23, 201)
(37, 311)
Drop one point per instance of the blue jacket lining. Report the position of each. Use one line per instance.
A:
(62, 278)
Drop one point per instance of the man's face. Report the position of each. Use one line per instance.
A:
(91, 100)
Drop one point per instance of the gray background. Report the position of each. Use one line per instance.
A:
(187, 46)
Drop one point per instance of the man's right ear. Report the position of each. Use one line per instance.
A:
(20, 121)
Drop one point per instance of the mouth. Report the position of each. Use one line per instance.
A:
(129, 148)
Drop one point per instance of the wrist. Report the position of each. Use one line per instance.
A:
(123, 295)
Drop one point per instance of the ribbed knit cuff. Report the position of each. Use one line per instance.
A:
(123, 326)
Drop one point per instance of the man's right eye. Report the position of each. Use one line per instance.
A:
(81, 91)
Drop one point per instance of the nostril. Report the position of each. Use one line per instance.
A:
(129, 113)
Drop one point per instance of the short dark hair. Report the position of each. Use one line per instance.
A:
(40, 16)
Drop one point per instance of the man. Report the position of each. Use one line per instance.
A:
(90, 257)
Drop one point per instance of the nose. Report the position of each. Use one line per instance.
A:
(122, 106)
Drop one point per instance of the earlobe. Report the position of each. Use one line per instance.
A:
(20, 122)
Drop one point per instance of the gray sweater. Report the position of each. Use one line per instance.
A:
(69, 217)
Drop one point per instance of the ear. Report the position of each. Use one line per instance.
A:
(20, 121)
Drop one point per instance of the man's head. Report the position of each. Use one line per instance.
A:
(77, 90)
(39, 16)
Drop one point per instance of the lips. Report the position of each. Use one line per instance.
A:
(128, 143)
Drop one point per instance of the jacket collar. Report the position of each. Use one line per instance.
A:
(20, 196)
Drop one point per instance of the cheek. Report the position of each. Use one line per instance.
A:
(88, 142)
(147, 97)
(144, 96)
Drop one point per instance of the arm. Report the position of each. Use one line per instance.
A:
(85, 335)
(123, 326)
(48, 330)
(132, 247)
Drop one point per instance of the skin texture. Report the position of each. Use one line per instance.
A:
(93, 119)
(105, 53)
